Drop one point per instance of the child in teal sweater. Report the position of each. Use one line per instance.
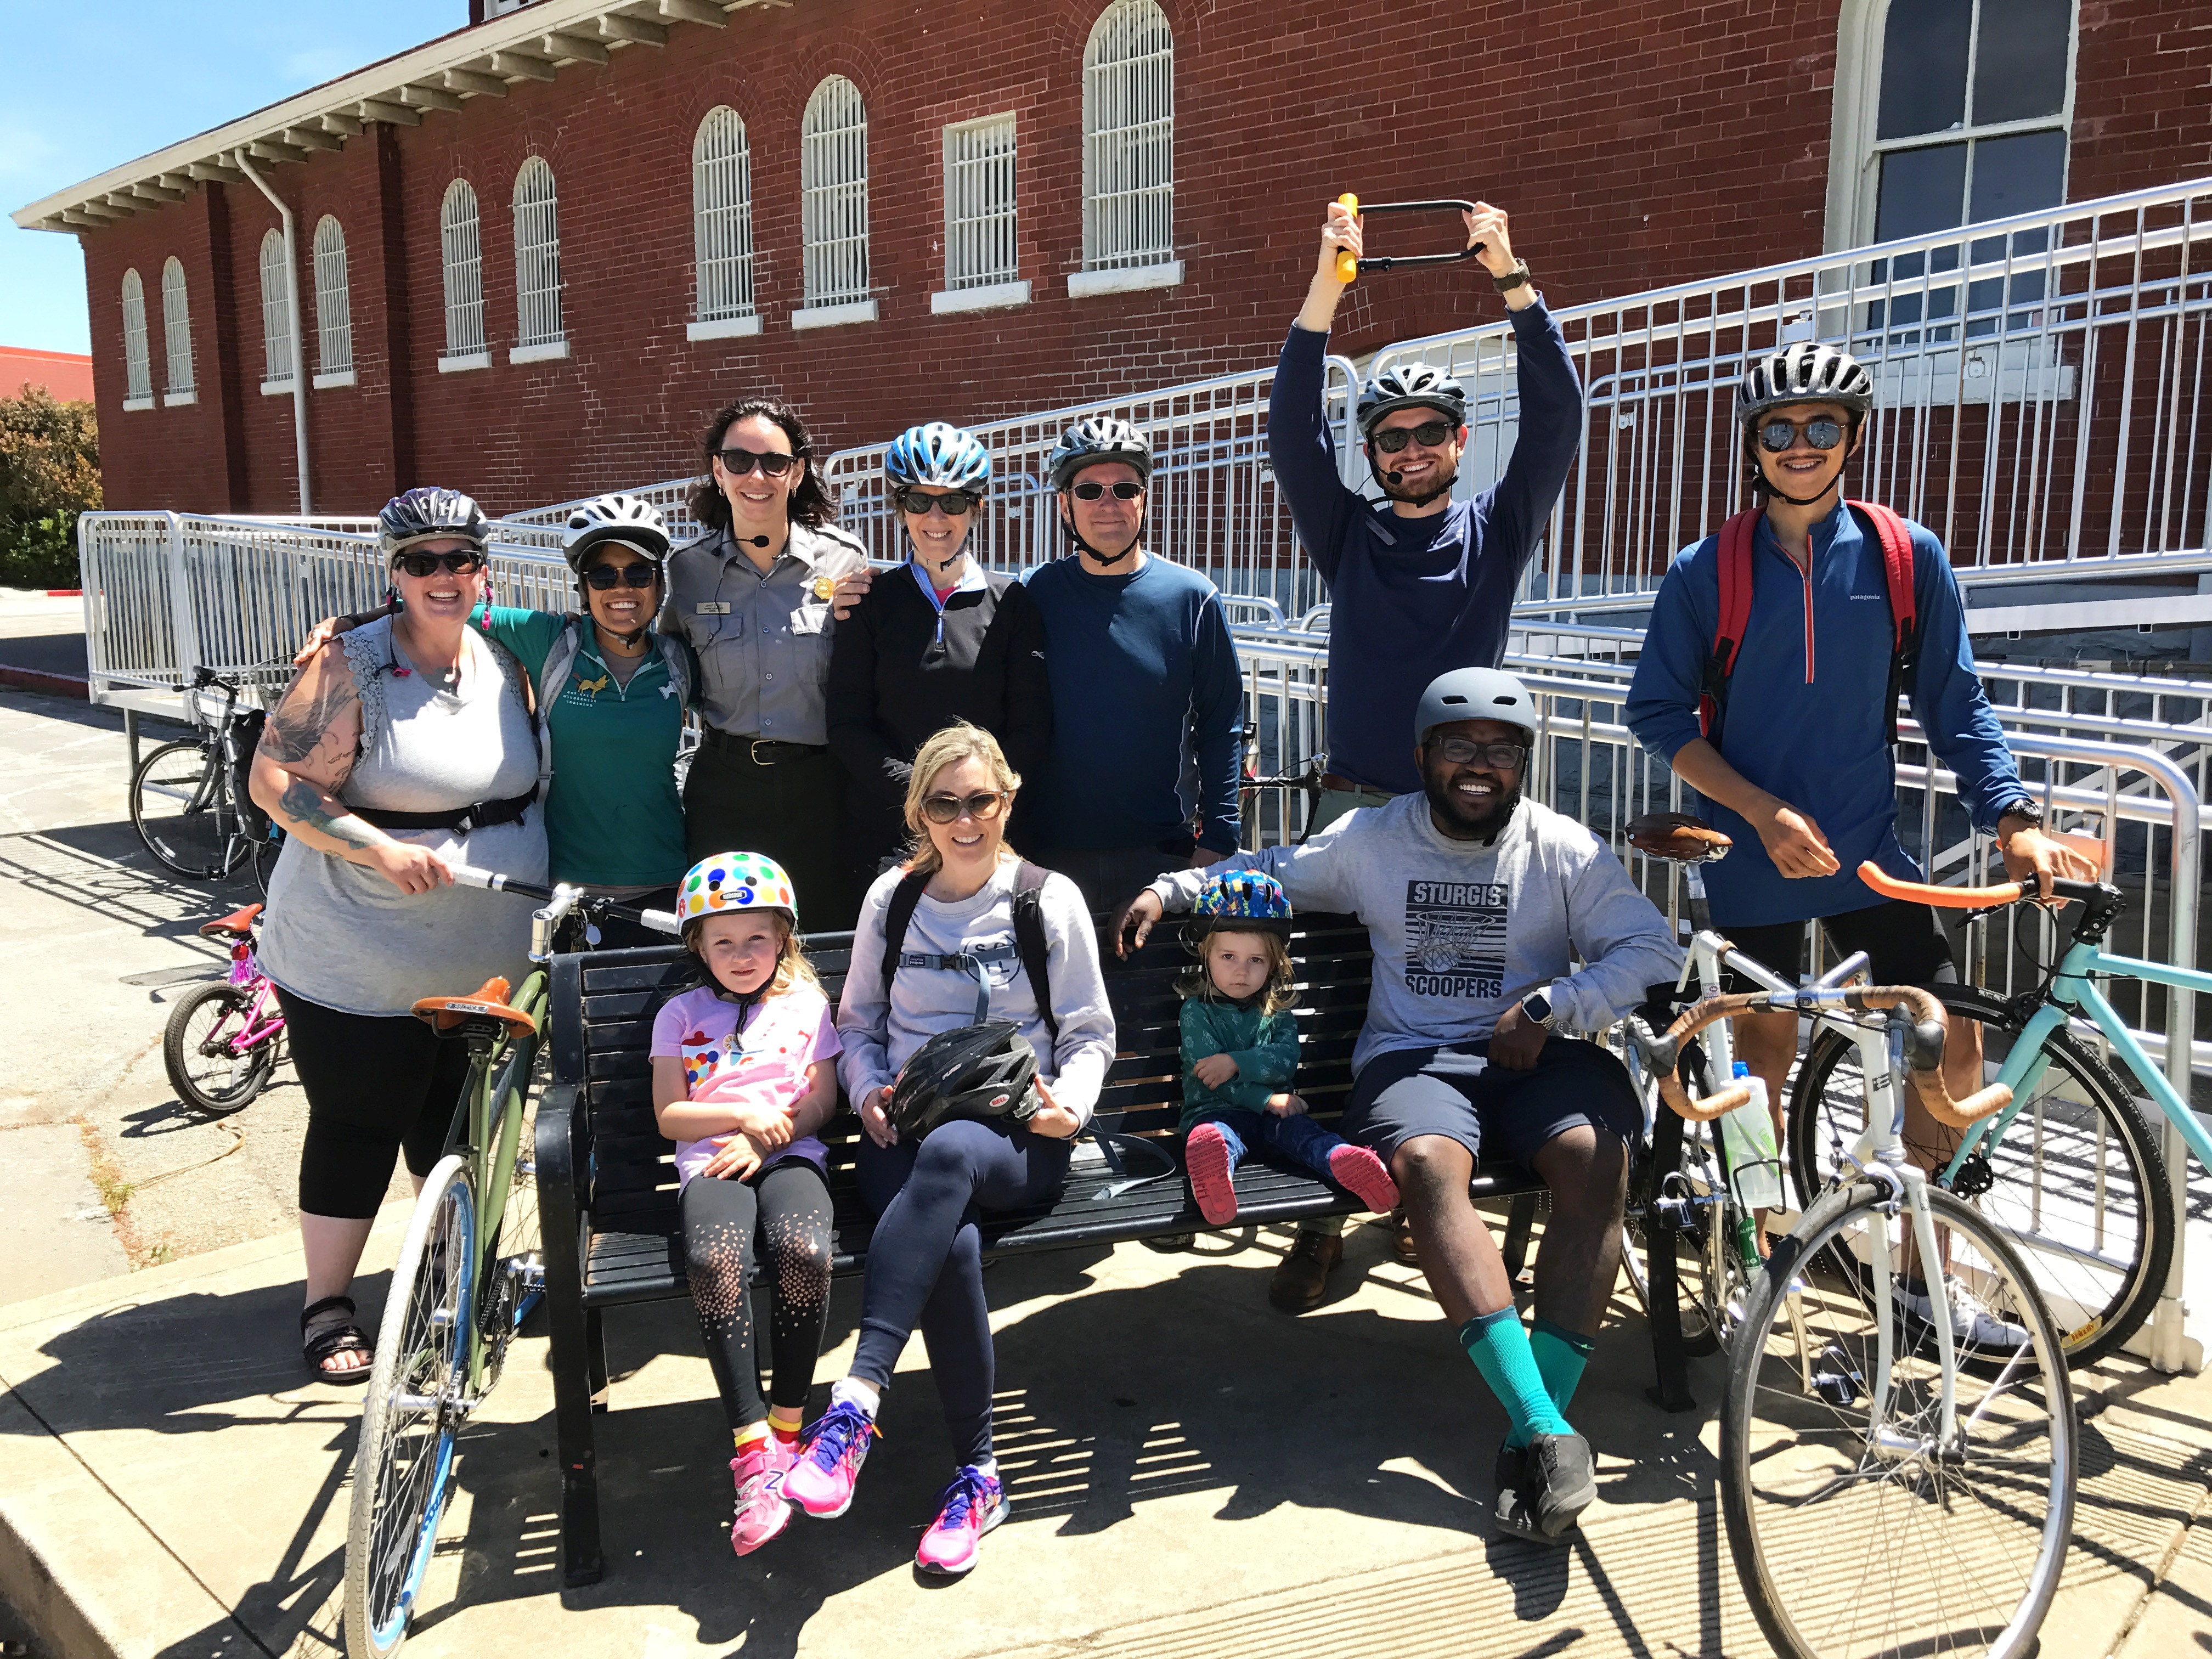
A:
(1240, 1047)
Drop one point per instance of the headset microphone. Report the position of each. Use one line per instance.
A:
(751, 541)
(1395, 478)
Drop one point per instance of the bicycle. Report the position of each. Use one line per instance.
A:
(1848, 1448)
(186, 797)
(222, 1041)
(470, 1271)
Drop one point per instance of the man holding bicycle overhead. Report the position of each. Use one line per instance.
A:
(1768, 681)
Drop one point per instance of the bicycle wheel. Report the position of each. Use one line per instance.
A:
(199, 1050)
(181, 806)
(411, 1414)
(2077, 1181)
(1852, 1541)
(516, 1268)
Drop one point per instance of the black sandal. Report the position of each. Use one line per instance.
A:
(347, 1338)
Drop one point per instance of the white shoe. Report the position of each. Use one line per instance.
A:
(1972, 1324)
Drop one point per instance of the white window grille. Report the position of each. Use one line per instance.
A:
(536, 256)
(833, 170)
(722, 217)
(138, 378)
(177, 328)
(1128, 138)
(463, 253)
(275, 312)
(333, 302)
(979, 204)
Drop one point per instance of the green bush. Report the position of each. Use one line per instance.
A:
(49, 474)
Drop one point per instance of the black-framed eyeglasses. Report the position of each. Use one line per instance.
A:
(1392, 438)
(604, 576)
(958, 504)
(1126, 489)
(466, 562)
(1823, 432)
(739, 462)
(983, 806)
(1465, 751)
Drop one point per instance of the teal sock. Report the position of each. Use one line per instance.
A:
(1560, 1356)
(1499, 1348)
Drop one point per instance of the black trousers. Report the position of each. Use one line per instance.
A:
(790, 809)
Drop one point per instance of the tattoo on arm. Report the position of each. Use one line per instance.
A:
(302, 721)
(309, 808)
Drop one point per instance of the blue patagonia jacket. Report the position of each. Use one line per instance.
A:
(1805, 719)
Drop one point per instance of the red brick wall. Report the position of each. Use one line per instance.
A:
(1634, 143)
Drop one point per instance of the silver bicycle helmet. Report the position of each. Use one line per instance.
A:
(1411, 385)
(427, 515)
(939, 454)
(1094, 439)
(1474, 694)
(1804, 373)
(630, 520)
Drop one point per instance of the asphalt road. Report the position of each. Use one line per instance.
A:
(40, 633)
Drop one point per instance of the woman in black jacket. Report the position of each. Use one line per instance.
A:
(941, 641)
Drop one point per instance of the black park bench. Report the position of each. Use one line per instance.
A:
(606, 1178)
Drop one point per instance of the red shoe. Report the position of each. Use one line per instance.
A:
(1212, 1176)
(1362, 1173)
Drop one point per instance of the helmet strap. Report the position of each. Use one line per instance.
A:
(1089, 551)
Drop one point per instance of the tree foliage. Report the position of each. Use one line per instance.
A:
(49, 474)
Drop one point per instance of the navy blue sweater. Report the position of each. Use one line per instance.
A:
(1144, 675)
(1411, 597)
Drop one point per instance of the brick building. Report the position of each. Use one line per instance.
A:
(531, 254)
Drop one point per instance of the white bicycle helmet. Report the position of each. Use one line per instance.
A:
(630, 520)
(1411, 385)
(1804, 373)
(1474, 694)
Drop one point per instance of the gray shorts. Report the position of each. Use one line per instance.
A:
(1454, 1092)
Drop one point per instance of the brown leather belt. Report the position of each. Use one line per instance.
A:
(1342, 785)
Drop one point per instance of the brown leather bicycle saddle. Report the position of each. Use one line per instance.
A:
(487, 1002)
(1677, 836)
(237, 925)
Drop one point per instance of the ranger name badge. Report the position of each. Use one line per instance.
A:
(712, 608)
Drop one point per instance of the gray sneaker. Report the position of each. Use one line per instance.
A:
(1558, 1484)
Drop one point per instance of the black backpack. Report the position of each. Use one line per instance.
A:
(246, 736)
(1029, 942)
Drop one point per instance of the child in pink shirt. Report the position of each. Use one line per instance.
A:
(744, 1077)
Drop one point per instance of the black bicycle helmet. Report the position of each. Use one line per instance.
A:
(425, 515)
(1805, 372)
(975, 1071)
(1094, 439)
(1411, 385)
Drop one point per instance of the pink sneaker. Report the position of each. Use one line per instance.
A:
(831, 1450)
(973, 1505)
(1363, 1174)
(1212, 1177)
(762, 1511)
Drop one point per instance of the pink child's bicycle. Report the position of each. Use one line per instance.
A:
(222, 1041)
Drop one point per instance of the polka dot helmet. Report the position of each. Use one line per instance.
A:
(730, 882)
(1242, 901)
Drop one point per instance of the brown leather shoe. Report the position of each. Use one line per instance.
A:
(1303, 1275)
(1401, 1239)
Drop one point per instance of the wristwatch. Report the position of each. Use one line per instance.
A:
(1512, 279)
(1537, 1006)
(2023, 809)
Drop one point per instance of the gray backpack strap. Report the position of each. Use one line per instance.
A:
(676, 658)
(552, 674)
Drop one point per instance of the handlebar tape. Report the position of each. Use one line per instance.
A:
(1944, 898)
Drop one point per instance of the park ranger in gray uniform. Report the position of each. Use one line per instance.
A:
(757, 595)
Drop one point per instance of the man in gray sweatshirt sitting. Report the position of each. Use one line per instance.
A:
(1477, 902)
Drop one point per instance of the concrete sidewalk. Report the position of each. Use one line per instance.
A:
(1193, 1475)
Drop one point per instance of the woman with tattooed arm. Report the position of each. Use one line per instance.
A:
(400, 749)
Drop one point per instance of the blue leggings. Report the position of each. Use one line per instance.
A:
(926, 1260)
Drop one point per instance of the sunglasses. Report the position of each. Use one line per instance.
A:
(419, 565)
(983, 806)
(1123, 491)
(1465, 751)
(737, 463)
(604, 576)
(1823, 432)
(1392, 438)
(957, 504)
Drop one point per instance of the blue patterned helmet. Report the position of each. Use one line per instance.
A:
(941, 455)
(1244, 901)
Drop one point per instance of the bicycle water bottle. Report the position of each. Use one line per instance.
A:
(1747, 1140)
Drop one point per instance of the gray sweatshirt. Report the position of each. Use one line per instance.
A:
(880, 1037)
(1461, 929)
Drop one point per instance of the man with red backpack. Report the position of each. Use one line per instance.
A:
(1768, 681)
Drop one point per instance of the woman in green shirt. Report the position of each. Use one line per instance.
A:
(609, 694)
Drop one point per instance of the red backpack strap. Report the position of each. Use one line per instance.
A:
(1898, 571)
(1736, 539)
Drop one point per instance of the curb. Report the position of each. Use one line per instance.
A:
(32, 679)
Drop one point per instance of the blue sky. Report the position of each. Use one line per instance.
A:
(96, 83)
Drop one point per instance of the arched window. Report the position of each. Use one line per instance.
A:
(833, 171)
(722, 219)
(333, 304)
(1129, 139)
(462, 253)
(177, 329)
(536, 258)
(275, 312)
(137, 378)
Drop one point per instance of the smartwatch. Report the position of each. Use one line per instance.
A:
(1537, 1006)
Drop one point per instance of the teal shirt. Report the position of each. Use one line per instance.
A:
(613, 818)
(1266, 1050)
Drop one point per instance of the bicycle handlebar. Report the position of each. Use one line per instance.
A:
(564, 898)
(1348, 267)
(1972, 898)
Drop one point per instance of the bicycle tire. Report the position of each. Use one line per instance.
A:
(180, 807)
(2098, 1307)
(515, 1267)
(410, 1415)
(181, 1047)
(1922, 1515)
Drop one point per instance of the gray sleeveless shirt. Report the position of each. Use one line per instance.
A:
(344, 936)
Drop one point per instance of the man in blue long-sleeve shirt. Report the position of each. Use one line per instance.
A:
(1420, 584)
(1144, 680)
